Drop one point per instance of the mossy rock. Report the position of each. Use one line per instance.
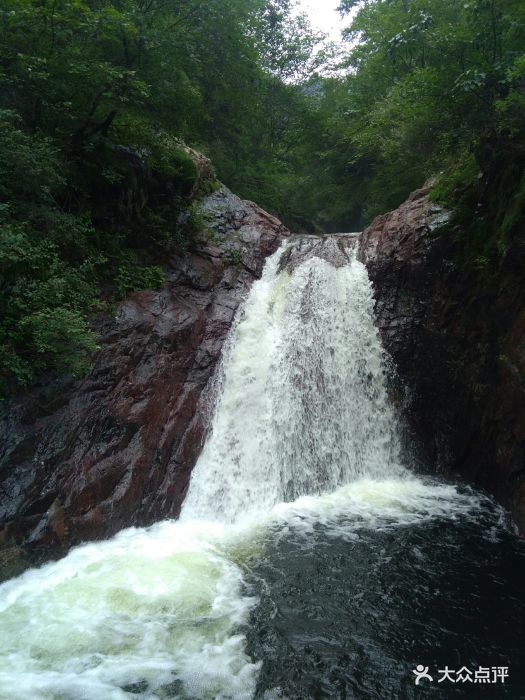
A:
(176, 166)
(488, 205)
(13, 562)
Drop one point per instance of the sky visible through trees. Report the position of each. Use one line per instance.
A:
(324, 16)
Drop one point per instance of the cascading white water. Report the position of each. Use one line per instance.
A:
(303, 406)
(302, 410)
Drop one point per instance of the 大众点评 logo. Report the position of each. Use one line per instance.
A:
(482, 674)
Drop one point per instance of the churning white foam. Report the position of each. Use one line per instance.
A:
(303, 437)
(150, 613)
(161, 612)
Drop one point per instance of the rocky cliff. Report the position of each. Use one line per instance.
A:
(82, 459)
(457, 336)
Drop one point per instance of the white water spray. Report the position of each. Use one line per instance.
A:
(303, 407)
(302, 413)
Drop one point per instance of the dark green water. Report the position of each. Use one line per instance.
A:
(351, 617)
(308, 562)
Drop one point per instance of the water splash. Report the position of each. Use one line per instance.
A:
(303, 406)
(303, 437)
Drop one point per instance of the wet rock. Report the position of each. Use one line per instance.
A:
(457, 337)
(81, 460)
(336, 249)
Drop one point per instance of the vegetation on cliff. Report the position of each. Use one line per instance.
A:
(438, 87)
(98, 97)
(96, 100)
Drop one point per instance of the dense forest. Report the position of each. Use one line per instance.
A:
(99, 94)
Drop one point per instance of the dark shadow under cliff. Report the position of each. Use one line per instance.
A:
(457, 336)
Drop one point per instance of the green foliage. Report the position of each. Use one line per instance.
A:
(489, 208)
(58, 337)
(43, 307)
(233, 258)
(131, 276)
(285, 41)
(95, 100)
(164, 153)
(437, 85)
(455, 181)
(98, 98)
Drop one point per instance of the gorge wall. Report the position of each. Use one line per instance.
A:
(80, 460)
(457, 337)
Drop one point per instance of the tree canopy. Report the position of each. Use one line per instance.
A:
(95, 93)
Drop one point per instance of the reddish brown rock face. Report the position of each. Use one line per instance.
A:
(82, 460)
(458, 340)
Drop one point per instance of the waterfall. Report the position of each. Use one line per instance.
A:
(303, 436)
(302, 405)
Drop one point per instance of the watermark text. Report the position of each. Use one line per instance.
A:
(481, 674)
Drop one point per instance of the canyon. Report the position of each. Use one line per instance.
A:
(80, 460)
